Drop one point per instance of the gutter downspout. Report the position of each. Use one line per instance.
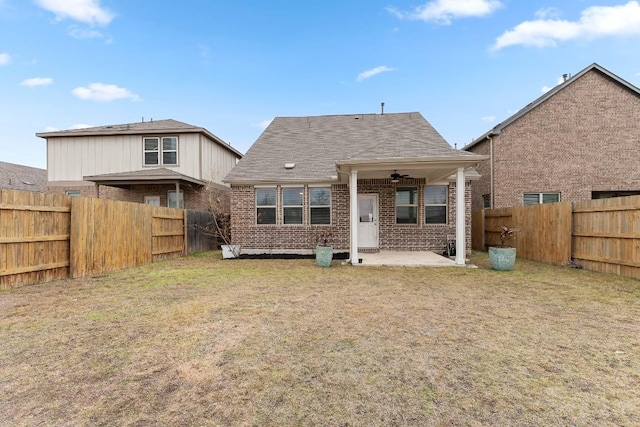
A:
(491, 202)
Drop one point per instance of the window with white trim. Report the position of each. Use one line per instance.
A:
(292, 203)
(266, 203)
(406, 205)
(320, 205)
(539, 198)
(175, 202)
(435, 204)
(160, 151)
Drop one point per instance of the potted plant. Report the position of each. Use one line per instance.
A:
(222, 229)
(503, 257)
(324, 251)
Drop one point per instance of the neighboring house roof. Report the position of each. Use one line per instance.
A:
(19, 177)
(152, 127)
(318, 144)
(155, 176)
(593, 67)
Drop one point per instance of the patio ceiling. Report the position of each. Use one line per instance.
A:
(431, 169)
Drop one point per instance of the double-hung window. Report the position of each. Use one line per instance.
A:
(160, 151)
(174, 201)
(292, 202)
(320, 205)
(406, 205)
(435, 204)
(266, 204)
(538, 198)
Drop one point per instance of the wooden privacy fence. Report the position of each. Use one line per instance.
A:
(46, 237)
(600, 235)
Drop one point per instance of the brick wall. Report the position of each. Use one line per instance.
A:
(302, 238)
(194, 197)
(584, 138)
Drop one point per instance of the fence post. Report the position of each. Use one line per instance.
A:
(185, 224)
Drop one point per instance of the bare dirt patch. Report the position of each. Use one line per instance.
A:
(200, 341)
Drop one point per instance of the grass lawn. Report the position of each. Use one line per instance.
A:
(201, 341)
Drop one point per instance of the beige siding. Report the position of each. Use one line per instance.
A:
(216, 161)
(70, 159)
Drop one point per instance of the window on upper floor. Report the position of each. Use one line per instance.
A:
(538, 198)
(160, 150)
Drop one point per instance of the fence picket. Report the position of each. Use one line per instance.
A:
(600, 235)
(45, 237)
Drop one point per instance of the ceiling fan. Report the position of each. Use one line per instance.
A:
(395, 176)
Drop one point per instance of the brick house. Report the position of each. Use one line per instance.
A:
(579, 141)
(372, 181)
(162, 163)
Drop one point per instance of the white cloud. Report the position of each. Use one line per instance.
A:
(37, 81)
(372, 72)
(595, 22)
(102, 92)
(263, 124)
(50, 129)
(444, 11)
(87, 11)
(546, 89)
(488, 119)
(548, 13)
(81, 33)
(4, 59)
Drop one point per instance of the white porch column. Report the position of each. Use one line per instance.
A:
(353, 198)
(461, 224)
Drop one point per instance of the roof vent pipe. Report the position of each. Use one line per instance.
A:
(565, 77)
(382, 108)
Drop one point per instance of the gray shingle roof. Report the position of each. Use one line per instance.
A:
(19, 177)
(166, 126)
(153, 174)
(316, 143)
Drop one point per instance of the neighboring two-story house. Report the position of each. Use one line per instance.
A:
(161, 162)
(578, 141)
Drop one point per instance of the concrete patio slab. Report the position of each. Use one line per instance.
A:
(406, 259)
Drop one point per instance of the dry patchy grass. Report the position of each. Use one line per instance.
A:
(199, 341)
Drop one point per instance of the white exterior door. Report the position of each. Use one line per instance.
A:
(367, 220)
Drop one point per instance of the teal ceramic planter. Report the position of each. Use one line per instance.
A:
(324, 255)
(502, 259)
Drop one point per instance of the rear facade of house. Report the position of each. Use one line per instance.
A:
(580, 141)
(369, 181)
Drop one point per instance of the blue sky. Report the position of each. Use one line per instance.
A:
(232, 65)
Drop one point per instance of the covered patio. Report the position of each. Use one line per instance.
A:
(454, 166)
(406, 259)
